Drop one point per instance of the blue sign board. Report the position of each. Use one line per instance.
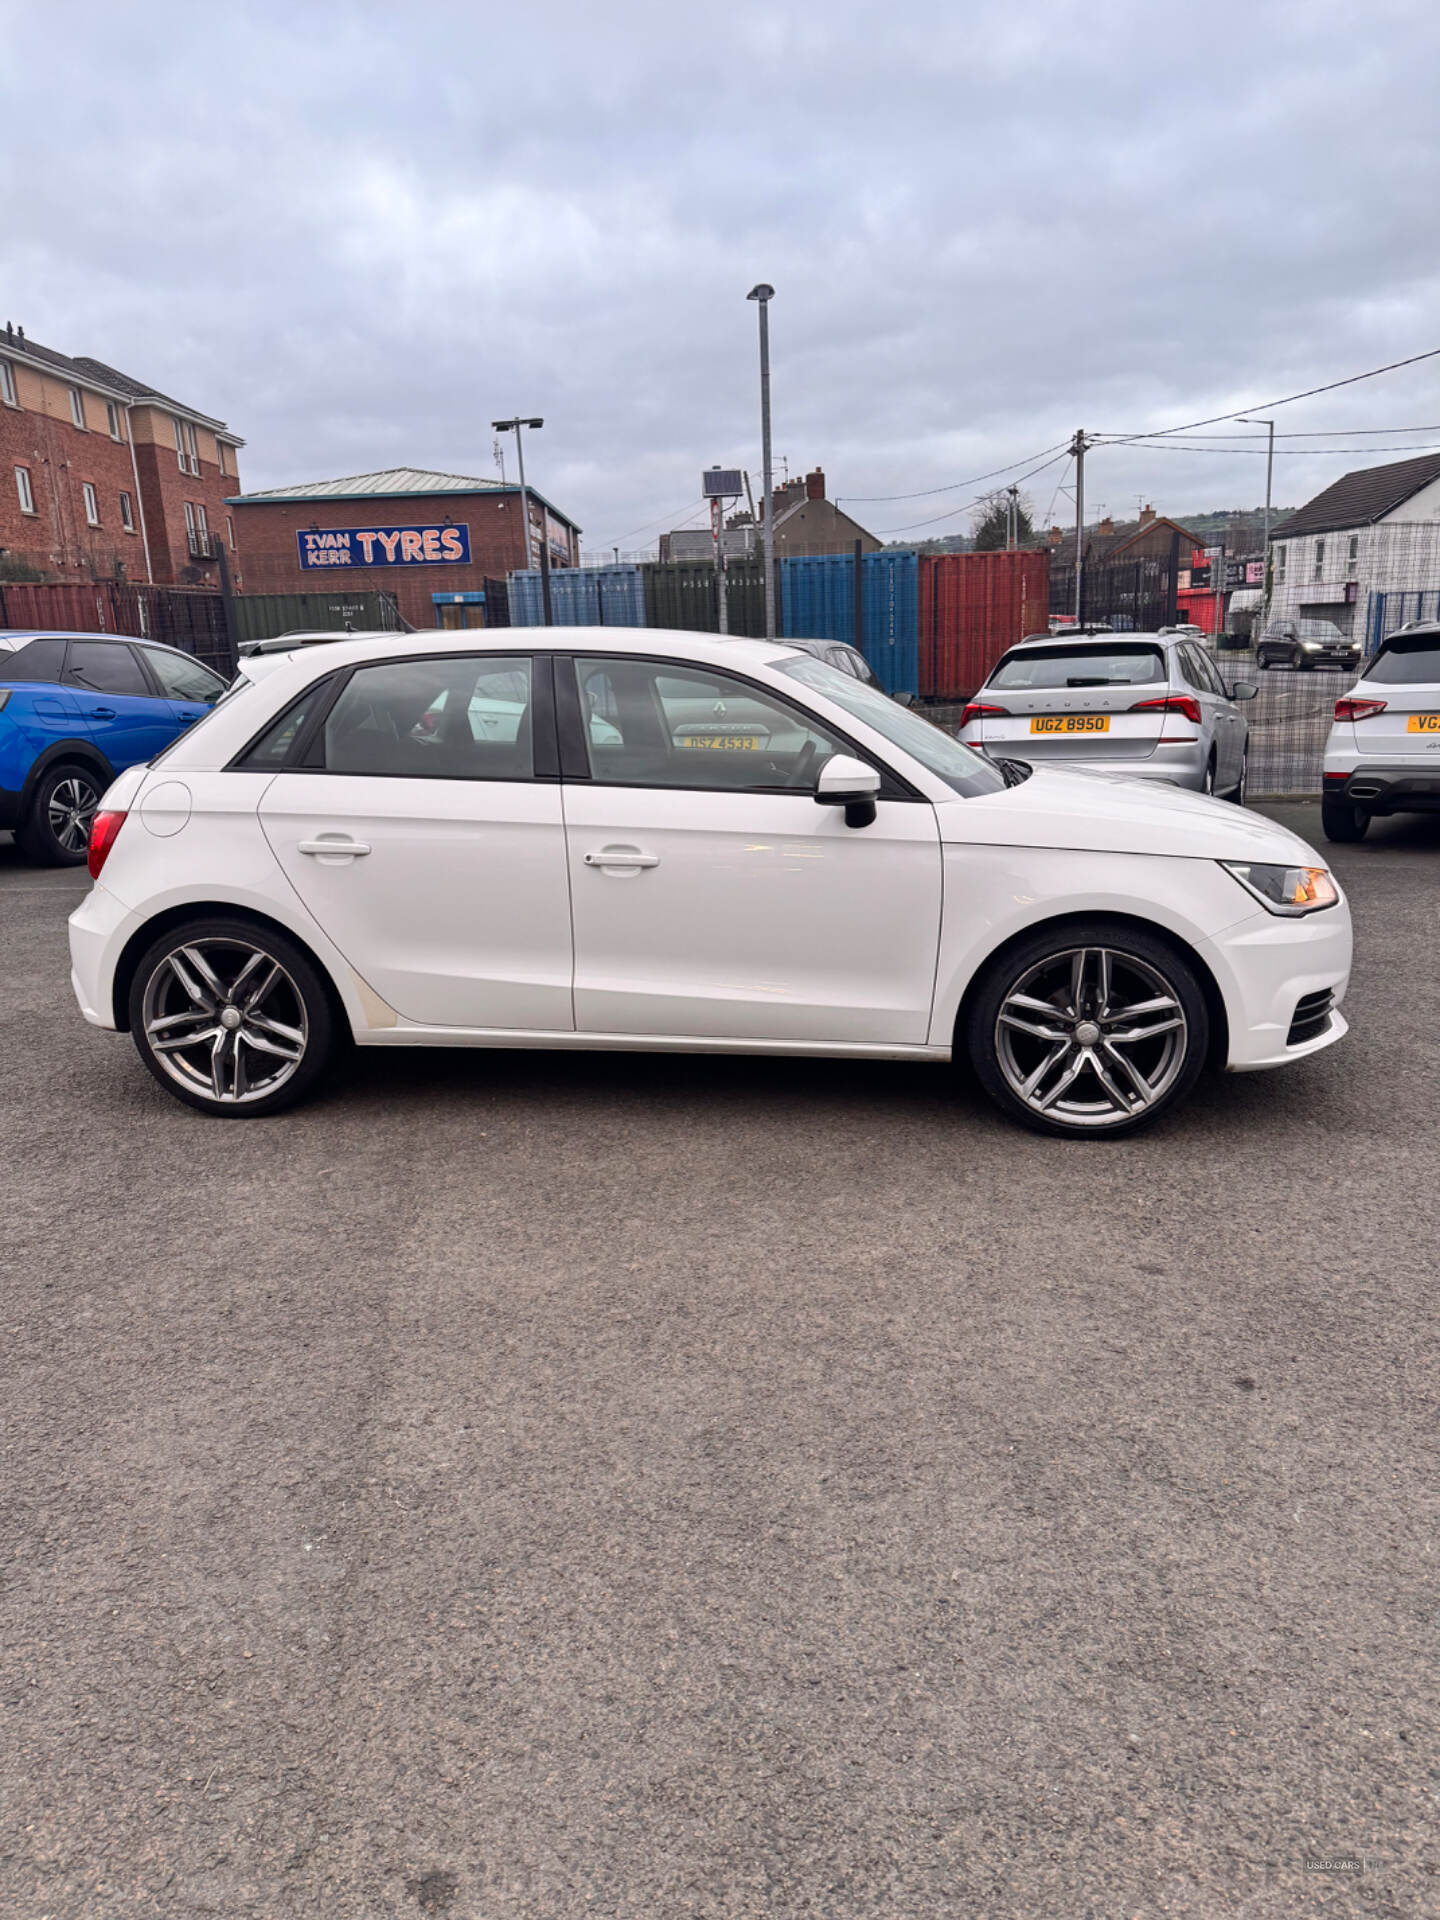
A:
(383, 546)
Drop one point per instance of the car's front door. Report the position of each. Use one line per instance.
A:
(189, 689)
(422, 829)
(712, 897)
(127, 720)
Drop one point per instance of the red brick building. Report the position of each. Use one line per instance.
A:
(102, 477)
(431, 539)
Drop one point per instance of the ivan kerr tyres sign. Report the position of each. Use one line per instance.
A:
(383, 546)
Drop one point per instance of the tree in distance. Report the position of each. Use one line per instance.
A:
(990, 528)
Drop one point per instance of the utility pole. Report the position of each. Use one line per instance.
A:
(517, 426)
(1077, 447)
(1269, 482)
(763, 295)
(1012, 519)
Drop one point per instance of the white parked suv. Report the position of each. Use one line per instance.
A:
(1383, 753)
(599, 838)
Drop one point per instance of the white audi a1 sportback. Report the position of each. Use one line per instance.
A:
(620, 838)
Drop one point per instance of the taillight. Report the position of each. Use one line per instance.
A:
(977, 710)
(1172, 703)
(1357, 709)
(103, 829)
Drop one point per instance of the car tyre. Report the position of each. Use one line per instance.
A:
(56, 829)
(1208, 784)
(1343, 821)
(1065, 1072)
(232, 1017)
(1242, 784)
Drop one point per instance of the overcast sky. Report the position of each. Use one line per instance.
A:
(358, 233)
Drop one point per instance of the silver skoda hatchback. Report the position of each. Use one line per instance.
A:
(1152, 705)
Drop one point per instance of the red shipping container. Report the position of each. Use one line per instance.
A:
(972, 607)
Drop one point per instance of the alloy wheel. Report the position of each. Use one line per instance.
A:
(70, 810)
(225, 1020)
(1091, 1037)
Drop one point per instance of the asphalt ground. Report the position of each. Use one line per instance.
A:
(574, 1485)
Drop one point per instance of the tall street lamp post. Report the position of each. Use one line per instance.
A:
(764, 294)
(517, 426)
(1269, 477)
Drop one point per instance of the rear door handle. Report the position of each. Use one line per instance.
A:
(620, 857)
(345, 848)
(102, 713)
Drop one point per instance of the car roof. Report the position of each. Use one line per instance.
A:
(705, 649)
(21, 636)
(1088, 639)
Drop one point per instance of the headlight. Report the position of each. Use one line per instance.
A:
(1310, 646)
(1287, 890)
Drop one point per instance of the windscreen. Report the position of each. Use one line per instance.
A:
(1407, 660)
(1107, 664)
(958, 766)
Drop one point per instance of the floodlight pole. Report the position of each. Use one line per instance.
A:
(517, 426)
(763, 295)
(1077, 447)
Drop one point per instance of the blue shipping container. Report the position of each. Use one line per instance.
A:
(817, 594)
(579, 597)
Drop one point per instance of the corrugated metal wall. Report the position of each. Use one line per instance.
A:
(972, 607)
(259, 616)
(819, 603)
(579, 597)
(681, 596)
(191, 618)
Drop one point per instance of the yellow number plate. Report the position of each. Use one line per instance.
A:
(1070, 723)
(1423, 723)
(741, 741)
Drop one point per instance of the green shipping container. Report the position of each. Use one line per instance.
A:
(260, 616)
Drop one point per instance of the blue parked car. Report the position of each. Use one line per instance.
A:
(76, 709)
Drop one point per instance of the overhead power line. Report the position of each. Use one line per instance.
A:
(951, 486)
(1281, 453)
(1258, 406)
(952, 512)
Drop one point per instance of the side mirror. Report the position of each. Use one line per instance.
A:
(848, 783)
(1244, 690)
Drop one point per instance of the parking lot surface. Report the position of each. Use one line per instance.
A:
(527, 1485)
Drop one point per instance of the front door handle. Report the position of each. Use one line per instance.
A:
(338, 846)
(620, 859)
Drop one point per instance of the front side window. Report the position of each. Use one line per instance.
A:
(1105, 664)
(7, 384)
(655, 723)
(127, 513)
(77, 407)
(92, 505)
(939, 753)
(182, 678)
(456, 717)
(23, 489)
(105, 666)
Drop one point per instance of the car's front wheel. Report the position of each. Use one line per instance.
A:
(56, 829)
(1095, 1028)
(231, 1017)
(1343, 821)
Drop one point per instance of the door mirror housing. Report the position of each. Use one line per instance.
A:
(845, 782)
(1244, 690)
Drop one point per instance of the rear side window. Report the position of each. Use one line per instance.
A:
(105, 666)
(269, 751)
(1407, 661)
(1044, 669)
(450, 718)
(182, 678)
(40, 660)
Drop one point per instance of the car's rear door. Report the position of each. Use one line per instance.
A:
(712, 897)
(128, 720)
(418, 818)
(189, 689)
(1220, 721)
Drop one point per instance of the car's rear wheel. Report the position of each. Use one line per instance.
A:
(1096, 1028)
(231, 1017)
(1208, 784)
(1343, 820)
(56, 829)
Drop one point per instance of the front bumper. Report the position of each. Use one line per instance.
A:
(1266, 965)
